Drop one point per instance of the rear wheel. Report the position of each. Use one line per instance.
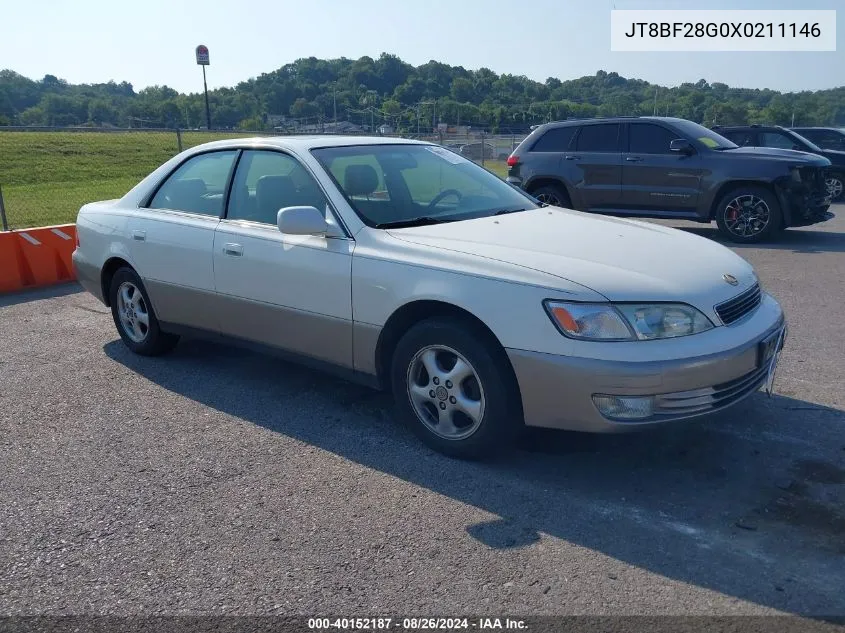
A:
(134, 316)
(748, 214)
(553, 195)
(454, 389)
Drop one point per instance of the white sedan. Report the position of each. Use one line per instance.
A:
(407, 267)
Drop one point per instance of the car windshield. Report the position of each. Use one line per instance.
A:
(813, 147)
(706, 137)
(413, 184)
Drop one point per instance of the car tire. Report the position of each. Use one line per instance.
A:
(748, 214)
(476, 417)
(554, 195)
(134, 316)
(836, 186)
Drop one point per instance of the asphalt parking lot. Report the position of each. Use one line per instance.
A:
(216, 480)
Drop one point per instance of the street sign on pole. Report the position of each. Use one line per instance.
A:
(202, 55)
(203, 60)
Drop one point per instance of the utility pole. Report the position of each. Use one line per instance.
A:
(434, 117)
(334, 101)
(418, 117)
(793, 119)
(655, 100)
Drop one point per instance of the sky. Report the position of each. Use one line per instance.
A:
(152, 42)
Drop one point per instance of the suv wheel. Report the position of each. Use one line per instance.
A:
(748, 214)
(553, 195)
(835, 185)
(454, 390)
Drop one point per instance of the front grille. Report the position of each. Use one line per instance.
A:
(813, 178)
(698, 401)
(734, 309)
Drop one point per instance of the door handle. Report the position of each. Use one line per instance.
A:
(139, 235)
(571, 157)
(235, 250)
(634, 159)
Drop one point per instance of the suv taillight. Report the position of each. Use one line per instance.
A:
(513, 160)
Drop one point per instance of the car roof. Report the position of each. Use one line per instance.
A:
(608, 119)
(306, 142)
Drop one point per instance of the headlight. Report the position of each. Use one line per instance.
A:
(626, 322)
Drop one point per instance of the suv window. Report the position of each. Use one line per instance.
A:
(267, 181)
(198, 185)
(742, 138)
(777, 139)
(603, 137)
(824, 138)
(555, 140)
(647, 138)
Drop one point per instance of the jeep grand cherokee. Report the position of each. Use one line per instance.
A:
(667, 167)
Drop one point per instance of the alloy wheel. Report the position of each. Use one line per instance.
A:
(747, 215)
(132, 311)
(445, 392)
(834, 187)
(550, 199)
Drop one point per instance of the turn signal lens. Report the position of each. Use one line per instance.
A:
(590, 321)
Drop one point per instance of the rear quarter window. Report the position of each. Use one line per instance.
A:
(555, 140)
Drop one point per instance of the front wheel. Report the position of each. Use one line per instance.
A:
(835, 186)
(747, 215)
(455, 390)
(134, 316)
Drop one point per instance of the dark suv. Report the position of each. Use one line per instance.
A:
(776, 136)
(824, 137)
(671, 168)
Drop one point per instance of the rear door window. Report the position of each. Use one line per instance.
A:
(198, 185)
(603, 137)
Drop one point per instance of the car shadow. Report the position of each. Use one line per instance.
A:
(750, 504)
(795, 240)
(37, 294)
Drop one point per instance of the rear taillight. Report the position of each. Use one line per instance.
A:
(513, 160)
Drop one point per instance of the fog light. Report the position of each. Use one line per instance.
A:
(624, 407)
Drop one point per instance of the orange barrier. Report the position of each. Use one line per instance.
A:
(31, 258)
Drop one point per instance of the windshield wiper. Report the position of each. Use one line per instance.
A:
(421, 221)
(514, 210)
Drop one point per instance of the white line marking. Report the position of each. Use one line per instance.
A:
(61, 234)
(30, 239)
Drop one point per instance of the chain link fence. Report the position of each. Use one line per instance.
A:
(46, 175)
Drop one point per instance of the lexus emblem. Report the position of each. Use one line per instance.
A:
(730, 279)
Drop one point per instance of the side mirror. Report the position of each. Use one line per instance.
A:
(301, 221)
(681, 146)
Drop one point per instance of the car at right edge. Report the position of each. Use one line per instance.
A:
(666, 167)
(780, 137)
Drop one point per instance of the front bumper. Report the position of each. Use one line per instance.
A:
(557, 390)
(803, 207)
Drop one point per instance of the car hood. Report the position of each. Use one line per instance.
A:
(786, 155)
(623, 260)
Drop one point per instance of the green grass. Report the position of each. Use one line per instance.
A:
(46, 176)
